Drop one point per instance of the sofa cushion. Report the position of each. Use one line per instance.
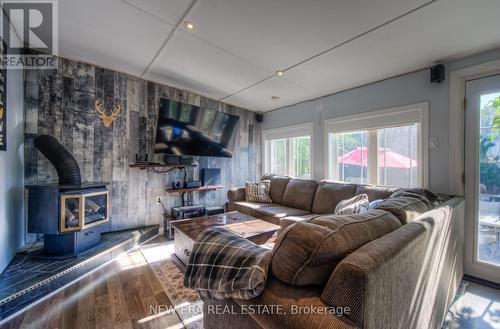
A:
(356, 205)
(267, 176)
(429, 195)
(249, 208)
(299, 194)
(258, 191)
(290, 220)
(329, 194)
(406, 208)
(421, 197)
(279, 211)
(278, 187)
(306, 253)
(375, 192)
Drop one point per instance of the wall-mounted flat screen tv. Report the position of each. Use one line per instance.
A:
(184, 129)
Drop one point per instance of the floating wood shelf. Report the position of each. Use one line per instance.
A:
(194, 189)
(144, 166)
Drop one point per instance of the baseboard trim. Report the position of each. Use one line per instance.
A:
(484, 282)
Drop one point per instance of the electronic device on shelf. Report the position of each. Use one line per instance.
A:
(210, 176)
(186, 212)
(214, 210)
(176, 185)
(171, 159)
(192, 184)
(188, 161)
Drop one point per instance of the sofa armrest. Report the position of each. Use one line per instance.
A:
(236, 194)
(415, 270)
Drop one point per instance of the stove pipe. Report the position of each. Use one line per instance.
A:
(66, 166)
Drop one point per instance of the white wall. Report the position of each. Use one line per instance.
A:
(398, 91)
(12, 172)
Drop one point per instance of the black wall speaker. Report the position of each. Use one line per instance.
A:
(259, 117)
(437, 73)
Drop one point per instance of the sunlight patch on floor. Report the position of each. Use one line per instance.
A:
(492, 316)
(472, 305)
(480, 311)
(155, 316)
(157, 252)
(177, 326)
(130, 261)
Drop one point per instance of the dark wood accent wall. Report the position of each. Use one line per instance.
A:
(61, 103)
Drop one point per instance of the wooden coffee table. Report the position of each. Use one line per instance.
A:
(187, 230)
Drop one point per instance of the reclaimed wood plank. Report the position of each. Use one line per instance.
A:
(30, 160)
(31, 99)
(69, 68)
(120, 159)
(68, 100)
(84, 77)
(107, 133)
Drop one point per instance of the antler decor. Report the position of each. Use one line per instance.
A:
(107, 120)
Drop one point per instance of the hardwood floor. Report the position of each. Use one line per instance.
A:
(122, 294)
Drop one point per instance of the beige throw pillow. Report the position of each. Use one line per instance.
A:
(258, 191)
(356, 205)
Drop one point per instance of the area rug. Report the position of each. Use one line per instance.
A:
(186, 301)
(449, 321)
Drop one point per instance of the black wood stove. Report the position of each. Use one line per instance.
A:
(69, 214)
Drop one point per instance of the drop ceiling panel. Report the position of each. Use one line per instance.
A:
(101, 32)
(259, 97)
(280, 33)
(451, 28)
(170, 11)
(202, 67)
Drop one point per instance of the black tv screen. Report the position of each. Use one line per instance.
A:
(185, 129)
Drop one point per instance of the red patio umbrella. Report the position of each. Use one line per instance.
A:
(359, 156)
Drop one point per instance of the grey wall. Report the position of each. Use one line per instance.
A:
(11, 172)
(61, 103)
(398, 91)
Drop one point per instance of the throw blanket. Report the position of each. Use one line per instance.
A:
(224, 265)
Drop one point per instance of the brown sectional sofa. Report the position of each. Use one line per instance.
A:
(394, 267)
(299, 199)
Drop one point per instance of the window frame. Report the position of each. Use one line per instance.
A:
(303, 129)
(386, 118)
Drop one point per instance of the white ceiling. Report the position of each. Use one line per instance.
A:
(324, 46)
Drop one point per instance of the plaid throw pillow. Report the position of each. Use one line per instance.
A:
(357, 205)
(258, 191)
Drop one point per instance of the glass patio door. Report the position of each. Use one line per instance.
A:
(482, 179)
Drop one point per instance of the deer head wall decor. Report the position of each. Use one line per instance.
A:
(107, 120)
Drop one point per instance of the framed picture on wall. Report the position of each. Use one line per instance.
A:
(3, 105)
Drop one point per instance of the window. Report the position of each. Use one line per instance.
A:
(287, 151)
(383, 147)
(352, 156)
(397, 162)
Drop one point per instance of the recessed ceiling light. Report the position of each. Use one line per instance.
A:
(279, 73)
(275, 98)
(190, 26)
